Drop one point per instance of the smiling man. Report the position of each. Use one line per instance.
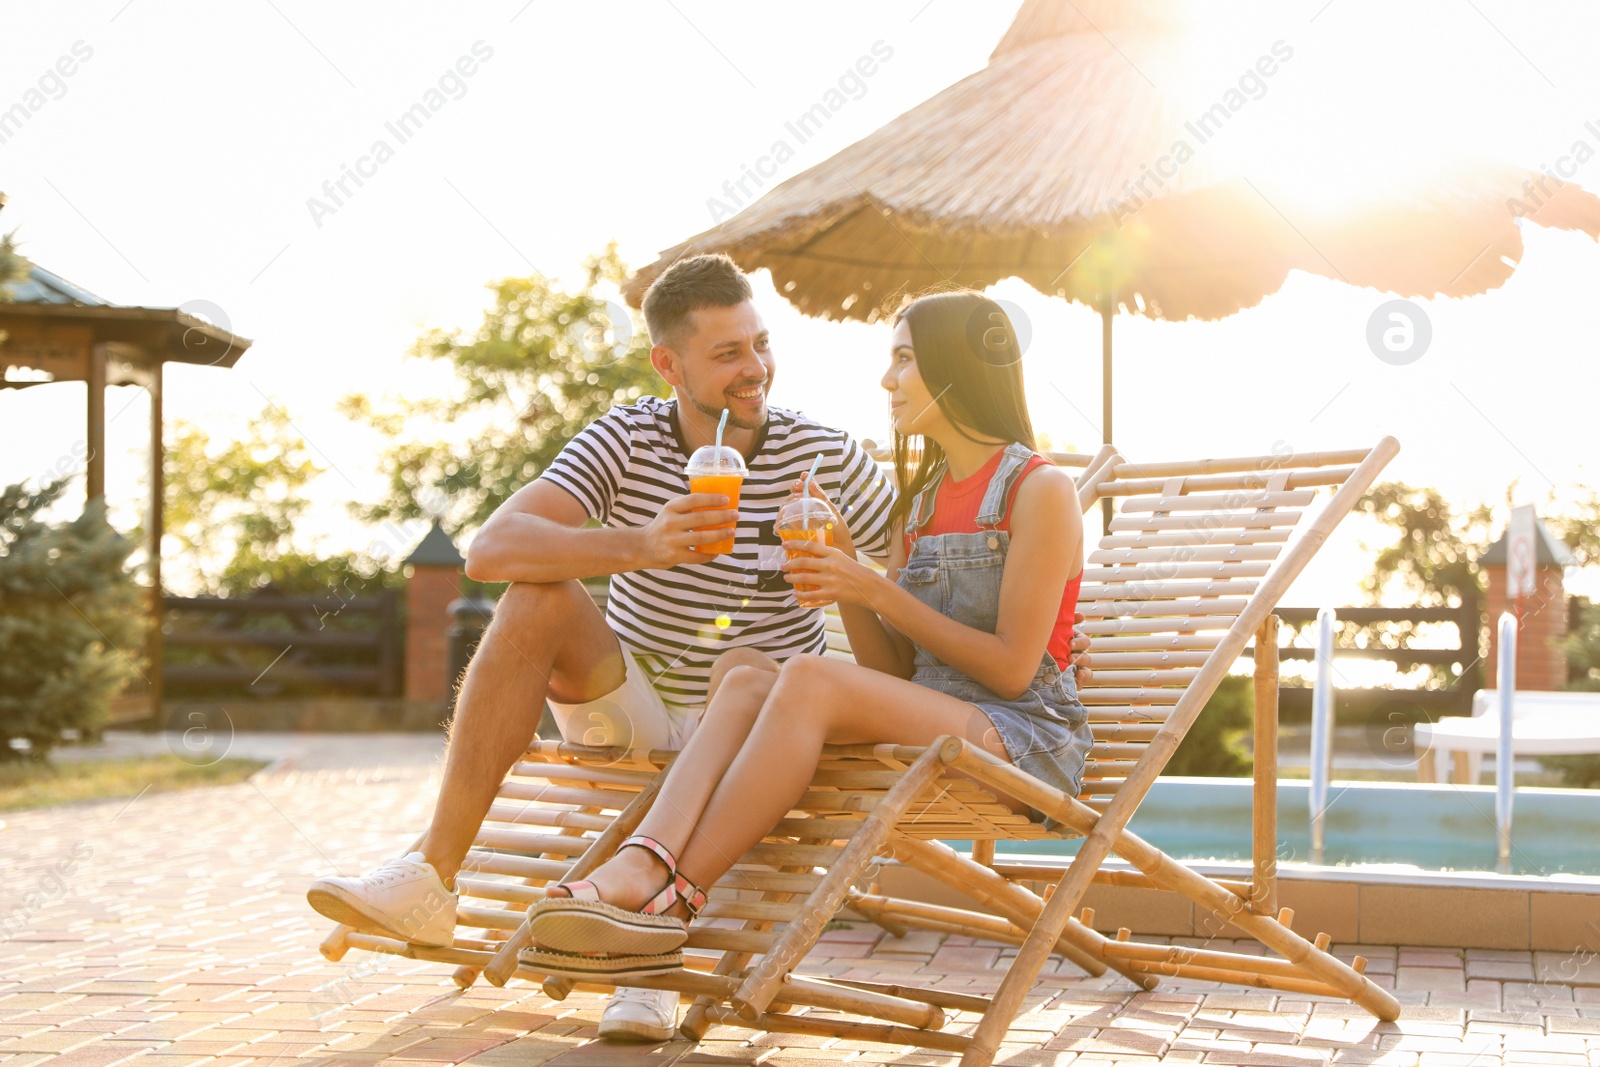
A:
(638, 675)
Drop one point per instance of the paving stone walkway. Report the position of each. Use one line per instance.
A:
(173, 930)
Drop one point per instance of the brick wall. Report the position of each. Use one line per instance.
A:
(429, 591)
(1540, 662)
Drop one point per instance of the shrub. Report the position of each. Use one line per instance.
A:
(70, 621)
(1215, 745)
(1583, 672)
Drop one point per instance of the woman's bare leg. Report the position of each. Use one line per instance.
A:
(738, 657)
(631, 877)
(816, 701)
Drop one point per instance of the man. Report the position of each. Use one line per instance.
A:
(637, 676)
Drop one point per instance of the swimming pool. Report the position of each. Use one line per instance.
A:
(1397, 824)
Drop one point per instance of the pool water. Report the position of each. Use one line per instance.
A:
(1424, 827)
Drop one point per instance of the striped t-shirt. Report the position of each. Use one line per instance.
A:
(627, 464)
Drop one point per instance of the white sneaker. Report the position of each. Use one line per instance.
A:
(634, 1014)
(404, 899)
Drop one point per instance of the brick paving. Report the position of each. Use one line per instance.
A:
(172, 930)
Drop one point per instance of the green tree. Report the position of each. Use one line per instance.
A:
(1434, 560)
(1583, 649)
(1583, 665)
(543, 364)
(233, 505)
(13, 267)
(71, 623)
(1577, 522)
(1217, 744)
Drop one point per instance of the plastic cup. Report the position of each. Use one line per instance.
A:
(717, 469)
(805, 519)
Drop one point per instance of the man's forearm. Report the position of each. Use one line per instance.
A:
(527, 548)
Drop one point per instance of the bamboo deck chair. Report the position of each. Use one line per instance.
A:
(1186, 576)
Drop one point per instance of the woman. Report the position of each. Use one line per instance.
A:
(968, 634)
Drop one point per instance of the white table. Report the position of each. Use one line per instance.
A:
(1543, 724)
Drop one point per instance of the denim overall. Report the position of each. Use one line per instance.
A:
(1045, 730)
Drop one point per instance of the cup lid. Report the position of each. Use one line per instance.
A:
(716, 459)
(807, 511)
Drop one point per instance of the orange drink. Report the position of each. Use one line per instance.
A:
(804, 519)
(717, 469)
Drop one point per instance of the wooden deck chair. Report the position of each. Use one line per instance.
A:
(1184, 579)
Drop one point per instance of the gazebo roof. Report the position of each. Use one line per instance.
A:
(44, 287)
(52, 324)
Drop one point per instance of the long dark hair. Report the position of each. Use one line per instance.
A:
(969, 358)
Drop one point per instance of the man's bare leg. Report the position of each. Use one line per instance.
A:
(545, 640)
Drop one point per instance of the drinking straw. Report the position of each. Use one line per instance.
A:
(721, 424)
(805, 485)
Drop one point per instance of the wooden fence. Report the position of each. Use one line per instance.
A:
(1357, 705)
(272, 646)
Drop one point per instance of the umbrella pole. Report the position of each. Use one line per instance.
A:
(1105, 393)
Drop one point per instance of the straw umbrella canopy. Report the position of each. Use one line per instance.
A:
(1059, 163)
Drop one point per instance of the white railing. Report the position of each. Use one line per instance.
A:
(1504, 772)
(1321, 731)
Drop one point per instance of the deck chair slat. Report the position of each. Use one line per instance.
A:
(1118, 731)
(1190, 607)
(517, 866)
(745, 877)
(1106, 661)
(1297, 479)
(555, 794)
(1156, 643)
(542, 815)
(1112, 679)
(490, 918)
(818, 831)
(1156, 589)
(786, 855)
(1127, 694)
(730, 940)
(1117, 750)
(504, 892)
(1219, 503)
(1156, 624)
(856, 779)
(1260, 465)
(1182, 548)
(538, 815)
(576, 774)
(1254, 522)
(524, 842)
(1163, 572)
(751, 909)
(1128, 714)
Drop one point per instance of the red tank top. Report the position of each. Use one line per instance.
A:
(955, 510)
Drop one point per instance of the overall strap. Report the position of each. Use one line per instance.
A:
(922, 504)
(993, 509)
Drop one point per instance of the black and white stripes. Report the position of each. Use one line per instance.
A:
(628, 463)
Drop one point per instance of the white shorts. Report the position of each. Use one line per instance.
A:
(631, 716)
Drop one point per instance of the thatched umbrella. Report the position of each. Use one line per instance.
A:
(1056, 164)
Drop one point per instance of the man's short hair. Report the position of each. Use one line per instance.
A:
(688, 285)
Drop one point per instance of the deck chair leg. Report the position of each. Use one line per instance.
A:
(801, 934)
(1035, 950)
(1078, 943)
(1231, 908)
(504, 963)
(1264, 833)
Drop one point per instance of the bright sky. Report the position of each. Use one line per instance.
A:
(176, 162)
